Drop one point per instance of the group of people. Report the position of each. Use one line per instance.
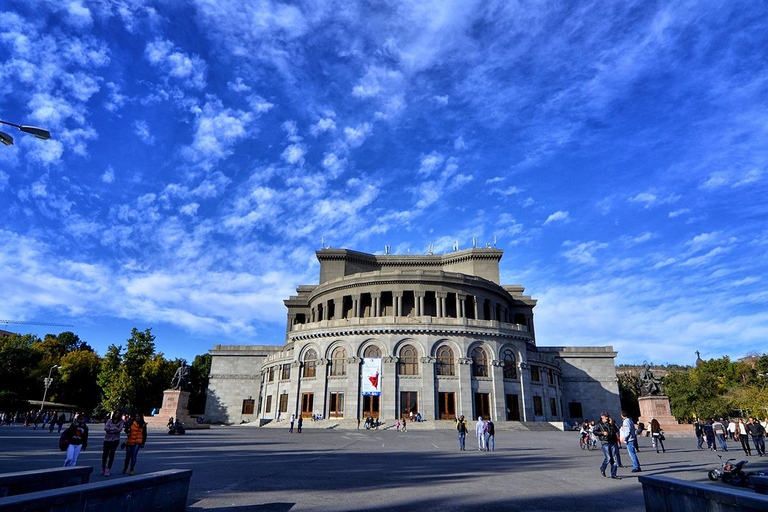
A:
(485, 431)
(75, 439)
(51, 419)
(735, 429)
(611, 436)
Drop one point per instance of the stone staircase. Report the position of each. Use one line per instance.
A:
(351, 424)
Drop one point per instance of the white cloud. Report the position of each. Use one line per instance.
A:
(678, 213)
(459, 144)
(715, 180)
(442, 100)
(323, 125)
(497, 179)
(259, 104)
(357, 135)
(294, 154)
(333, 164)
(582, 253)
(238, 85)
(79, 15)
(217, 130)
(190, 70)
(190, 209)
(4, 177)
(649, 199)
(752, 176)
(430, 163)
(558, 216)
(142, 130)
(108, 176)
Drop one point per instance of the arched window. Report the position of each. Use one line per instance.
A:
(339, 361)
(479, 363)
(510, 367)
(372, 351)
(444, 365)
(409, 361)
(310, 363)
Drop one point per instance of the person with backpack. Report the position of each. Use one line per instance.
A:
(111, 439)
(74, 440)
(461, 427)
(136, 429)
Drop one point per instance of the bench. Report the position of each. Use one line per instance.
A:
(22, 482)
(665, 494)
(162, 491)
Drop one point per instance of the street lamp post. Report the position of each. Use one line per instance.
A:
(48, 381)
(40, 133)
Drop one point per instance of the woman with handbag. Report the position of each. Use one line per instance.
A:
(658, 435)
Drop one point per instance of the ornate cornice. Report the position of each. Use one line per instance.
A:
(465, 360)
(429, 360)
(232, 376)
(427, 329)
(389, 359)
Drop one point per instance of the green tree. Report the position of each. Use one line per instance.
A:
(18, 362)
(198, 377)
(629, 392)
(78, 373)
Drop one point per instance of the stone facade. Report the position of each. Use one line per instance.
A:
(449, 338)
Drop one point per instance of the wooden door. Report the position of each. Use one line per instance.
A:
(447, 405)
(307, 404)
(513, 408)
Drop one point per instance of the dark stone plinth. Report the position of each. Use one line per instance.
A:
(664, 494)
(22, 482)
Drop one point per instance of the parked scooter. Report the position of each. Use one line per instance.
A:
(729, 472)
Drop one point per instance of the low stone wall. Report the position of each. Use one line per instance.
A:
(22, 482)
(162, 491)
(664, 494)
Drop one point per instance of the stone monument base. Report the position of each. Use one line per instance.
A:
(658, 407)
(175, 406)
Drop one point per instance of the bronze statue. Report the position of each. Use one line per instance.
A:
(181, 377)
(649, 385)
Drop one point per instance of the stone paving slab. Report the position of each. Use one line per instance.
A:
(244, 469)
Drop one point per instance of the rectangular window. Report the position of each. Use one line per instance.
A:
(550, 376)
(286, 372)
(248, 405)
(283, 407)
(574, 410)
(535, 377)
(538, 406)
(553, 406)
(271, 374)
(268, 408)
(336, 405)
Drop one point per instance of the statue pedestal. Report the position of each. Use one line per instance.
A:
(657, 406)
(174, 406)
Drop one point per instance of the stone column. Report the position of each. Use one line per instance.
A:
(477, 315)
(465, 399)
(428, 396)
(375, 304)
(419, 300)
(492, 308)
(356, 306)
(352, 391)
(461, 305)
(322, 376)
(397, 298)
(294, 390)
(440, 296)
(525, 380)
(388, 400)
(498, 400)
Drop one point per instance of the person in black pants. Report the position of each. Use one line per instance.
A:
(757, 432)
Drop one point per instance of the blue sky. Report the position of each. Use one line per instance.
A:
(201, 150)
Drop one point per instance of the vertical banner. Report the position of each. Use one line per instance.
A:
(371, 376)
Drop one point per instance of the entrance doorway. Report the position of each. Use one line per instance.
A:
(336, 405)
(408, 404)
(307, 404)
(483, 405)
(513, 408)
(447, 405)
(370, 406)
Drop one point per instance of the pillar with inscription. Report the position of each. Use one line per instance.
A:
(465, 405)
(388, 406)
(427, 398)
(499, 407)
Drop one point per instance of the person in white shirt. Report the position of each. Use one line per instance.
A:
(741, 435)
(480, 433)
(732, 429)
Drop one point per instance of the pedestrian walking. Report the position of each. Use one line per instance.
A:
(698, 429)
(479, 432)
(718, 427)
(299, 424)
(743, 437)
(618, 444)
(405, 426)
(397, 425)
(76, 437)
(461, 427)
(111, 440)
(628, 435)
(709, 435)
(490, 434)
(757, 433)
(136, 429)
(60, 422)
(658, 435)
(293, 420)
(52, 422)
(606, 432)
(731, 429)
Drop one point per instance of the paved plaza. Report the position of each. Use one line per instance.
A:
(247, 468)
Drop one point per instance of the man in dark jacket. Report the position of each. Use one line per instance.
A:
(698, 428)
(609, 440)
(757, 433)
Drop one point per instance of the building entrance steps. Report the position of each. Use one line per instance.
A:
(351, 424)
